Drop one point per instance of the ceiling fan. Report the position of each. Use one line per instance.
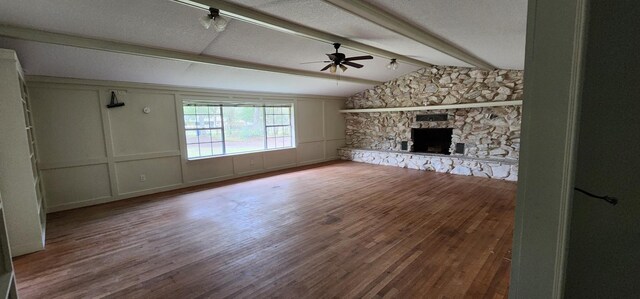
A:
(340, 60)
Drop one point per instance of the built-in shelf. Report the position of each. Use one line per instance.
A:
(435, 107)
(23, 198)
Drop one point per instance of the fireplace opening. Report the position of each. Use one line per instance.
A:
(435, 141)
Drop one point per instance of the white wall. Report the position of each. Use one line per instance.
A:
(603, 259)
(90, 154)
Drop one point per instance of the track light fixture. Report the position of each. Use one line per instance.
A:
(213, 18)
(393, 65)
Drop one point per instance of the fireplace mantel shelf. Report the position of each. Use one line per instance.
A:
(435, 107)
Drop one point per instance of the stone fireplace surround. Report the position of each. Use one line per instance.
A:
(491, 135)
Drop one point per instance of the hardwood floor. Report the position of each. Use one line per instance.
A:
(342, 230)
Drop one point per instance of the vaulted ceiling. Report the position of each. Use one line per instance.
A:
(492, 30)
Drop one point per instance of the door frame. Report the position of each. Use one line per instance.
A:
(556, 39)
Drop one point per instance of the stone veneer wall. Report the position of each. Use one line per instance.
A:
(488, 133)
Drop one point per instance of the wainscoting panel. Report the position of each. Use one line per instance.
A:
(68, 185)
(68, 124)
(140, 175)
(90, 154)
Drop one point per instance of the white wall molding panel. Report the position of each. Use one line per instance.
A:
(92, 154)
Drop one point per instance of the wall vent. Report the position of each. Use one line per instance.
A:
(459, 148)
(432, 117)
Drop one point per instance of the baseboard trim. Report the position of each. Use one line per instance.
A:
(26, 248)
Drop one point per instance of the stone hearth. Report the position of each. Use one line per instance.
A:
(486, 168)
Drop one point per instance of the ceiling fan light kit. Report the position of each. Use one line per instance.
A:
(220, 24)
(393, 65)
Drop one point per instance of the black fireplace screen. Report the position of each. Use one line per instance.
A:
(436, 141)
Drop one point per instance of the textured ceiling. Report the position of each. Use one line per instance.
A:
(69, 62)
(244, 41)
(159, 23)
(326, 17)
(493, 30)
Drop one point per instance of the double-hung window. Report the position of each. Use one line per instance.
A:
(214, 129)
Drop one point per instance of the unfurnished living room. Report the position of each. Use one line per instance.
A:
(319, 149)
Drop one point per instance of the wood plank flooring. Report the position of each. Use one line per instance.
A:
(344, 229)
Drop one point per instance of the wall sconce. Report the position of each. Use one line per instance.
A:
(114, 101)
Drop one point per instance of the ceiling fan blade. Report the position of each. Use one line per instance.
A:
(315, 62)
(326, 67)
(353, 64)
(358, 58)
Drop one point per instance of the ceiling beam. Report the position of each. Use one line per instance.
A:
(398, 25)
(256, 17)
(125, 48)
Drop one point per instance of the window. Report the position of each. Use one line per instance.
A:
(203, 129)
(214, 129)
(278, 124)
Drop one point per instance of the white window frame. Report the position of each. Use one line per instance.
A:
(221, 104)
(209, 127)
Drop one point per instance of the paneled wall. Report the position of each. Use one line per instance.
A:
(90, 154)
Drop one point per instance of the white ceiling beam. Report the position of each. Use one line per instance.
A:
(256, 17)
(124, 48)
(398, 25)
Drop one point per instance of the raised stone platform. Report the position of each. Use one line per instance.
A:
(503, 169)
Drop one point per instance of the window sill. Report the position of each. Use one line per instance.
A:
(239, 154)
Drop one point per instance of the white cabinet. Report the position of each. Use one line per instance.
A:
(23, 204)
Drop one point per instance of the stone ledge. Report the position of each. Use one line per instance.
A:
(461, 157)
(460, 165)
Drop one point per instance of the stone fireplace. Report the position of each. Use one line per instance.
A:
(431, 140)
(478, 141)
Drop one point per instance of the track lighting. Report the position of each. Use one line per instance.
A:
(213, 18)
(393, 65)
